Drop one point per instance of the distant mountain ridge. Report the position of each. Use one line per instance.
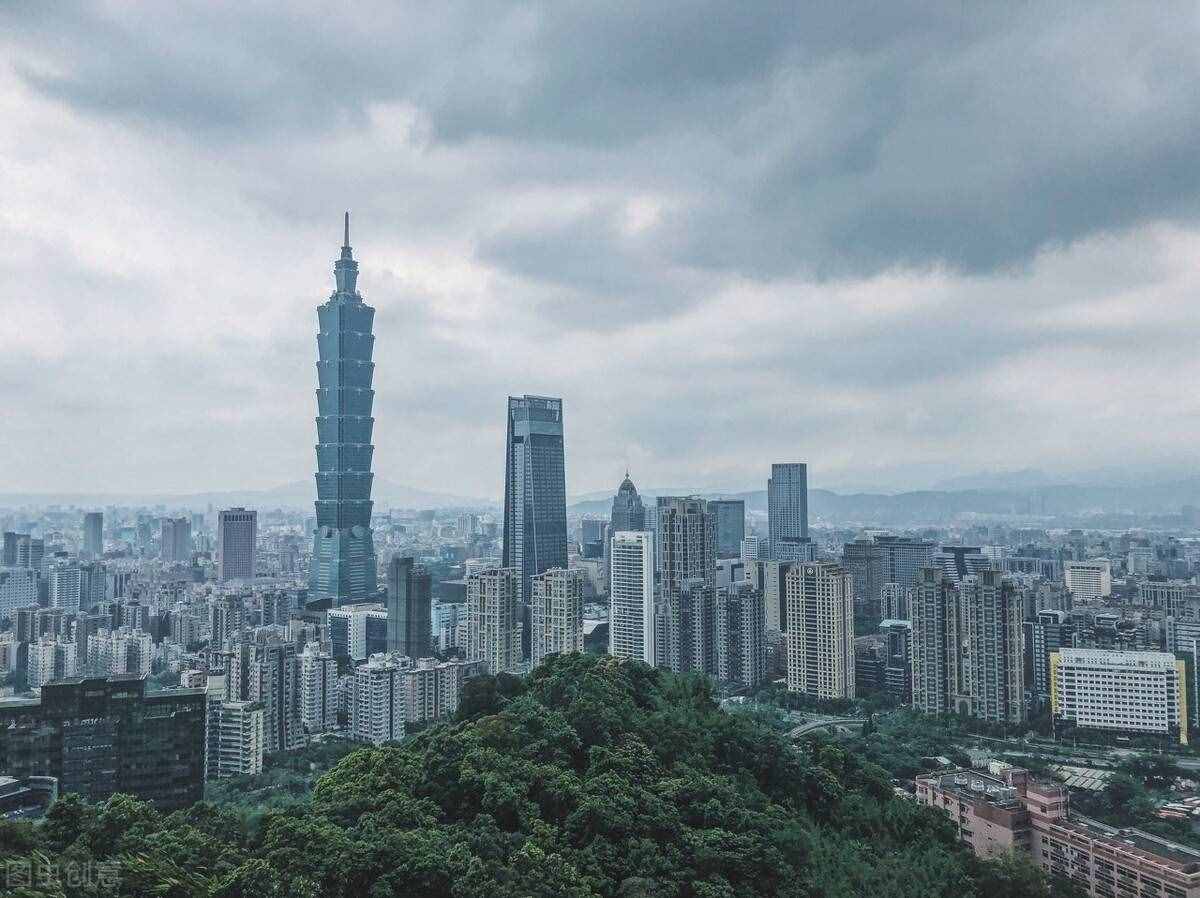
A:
(296, 495)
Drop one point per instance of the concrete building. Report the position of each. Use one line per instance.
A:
(740, 636)
(557, 613)
(993, 656)
(318, 690)
(120, 651)
(64, 586)
(936, 646)
(1124, 692)
(685, 541)
(358, 631)
(770, 578)
(631, 596)
(432, 688)
(820, 630)
(493, 625)
(896, 601)
(1005, 810)
(237, 537)
(234, 734)
(685, 629)
(1089, 581)
(51, 658)
(18, 589)
(265, 669)
(379, 704)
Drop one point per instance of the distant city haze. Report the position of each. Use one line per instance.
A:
(904, 247)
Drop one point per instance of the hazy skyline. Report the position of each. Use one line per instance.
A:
(900, 243)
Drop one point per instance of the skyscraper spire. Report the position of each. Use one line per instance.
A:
(345, 269)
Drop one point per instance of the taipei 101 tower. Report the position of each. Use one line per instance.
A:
(343, 557)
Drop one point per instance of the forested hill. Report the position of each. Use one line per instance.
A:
(592, 777)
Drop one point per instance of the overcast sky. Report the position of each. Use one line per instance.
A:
(897, 241)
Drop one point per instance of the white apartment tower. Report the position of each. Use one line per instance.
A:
(318, 690)
(631, 595)
(493, 625)
(378, 705)
(557, 599)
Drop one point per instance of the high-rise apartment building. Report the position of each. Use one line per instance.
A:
(379, 705)
(631, 595)
(787, 504)
(936, 648)
(344, 566)
(235, 733)
(176, 540)
(493, 625)
(740, 636)
(895, 601)
(119, 651)
(557, 613)
(770, 578)
(318, 690)
(535, 490)
(993, 660)
(51, 658)
(18, 589)
(237, 537)
(64, 585)
(409, 608)
(820, 630)
(358, 631)
(93, 534)
(731, 526)
(686, 542)
(432, 688)
(685, 629)
(265, 669)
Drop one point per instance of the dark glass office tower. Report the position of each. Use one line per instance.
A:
(409, 609)
(343, 558)
(535, 489)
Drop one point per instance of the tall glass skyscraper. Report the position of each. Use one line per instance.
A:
(535, 489)
(343, 557)
(787, 506)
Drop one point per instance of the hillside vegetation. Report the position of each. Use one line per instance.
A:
(593, 778)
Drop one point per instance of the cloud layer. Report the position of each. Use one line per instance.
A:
(899, 242)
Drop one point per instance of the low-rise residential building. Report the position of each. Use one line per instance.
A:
(1005, 810)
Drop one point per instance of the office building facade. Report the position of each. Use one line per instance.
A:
(237, 537)
(93, 534)
(101, 736)
(535, 490)
(731, 526)
(787, 504)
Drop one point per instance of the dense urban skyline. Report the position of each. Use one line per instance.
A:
(950, 255)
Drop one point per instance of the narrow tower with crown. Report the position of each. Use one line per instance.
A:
(343, 565)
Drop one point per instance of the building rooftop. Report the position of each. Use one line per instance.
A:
(1148, 847)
